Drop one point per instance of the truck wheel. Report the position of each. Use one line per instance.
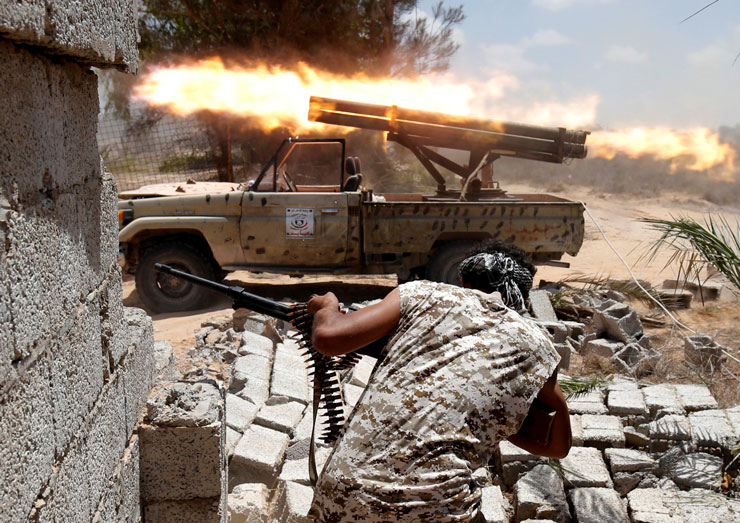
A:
(165, 293)
(444, 263)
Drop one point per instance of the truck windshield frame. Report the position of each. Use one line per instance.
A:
(284, 151)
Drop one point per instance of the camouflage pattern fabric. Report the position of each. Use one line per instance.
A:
(459, 375)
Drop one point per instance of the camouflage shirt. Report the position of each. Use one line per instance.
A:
(459, 374)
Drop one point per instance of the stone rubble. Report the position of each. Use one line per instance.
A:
(642, 453)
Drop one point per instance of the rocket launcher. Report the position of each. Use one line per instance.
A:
(485, 140)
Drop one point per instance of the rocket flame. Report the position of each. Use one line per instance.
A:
(698, 149)
(276, 97)
(273, 97)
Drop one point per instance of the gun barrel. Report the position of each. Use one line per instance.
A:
(241, 297)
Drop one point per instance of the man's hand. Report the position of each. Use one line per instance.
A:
(559, 442)
(337, 333)
(327, 301)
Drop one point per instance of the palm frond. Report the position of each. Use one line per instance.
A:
(696, 246)
(576, 387)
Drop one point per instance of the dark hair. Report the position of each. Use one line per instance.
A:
(522, 259)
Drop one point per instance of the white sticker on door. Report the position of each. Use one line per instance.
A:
(299, 223)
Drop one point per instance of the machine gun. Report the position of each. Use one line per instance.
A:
(326, 386)
(484, 140)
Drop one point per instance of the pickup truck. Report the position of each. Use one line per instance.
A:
(293, 220)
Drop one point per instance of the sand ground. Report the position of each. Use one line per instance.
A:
(617, 216)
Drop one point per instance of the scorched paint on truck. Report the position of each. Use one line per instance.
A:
(288, 221)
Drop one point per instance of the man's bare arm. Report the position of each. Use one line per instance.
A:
(336, 333)
(560, 440)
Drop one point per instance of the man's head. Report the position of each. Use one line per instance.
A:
(495, 266)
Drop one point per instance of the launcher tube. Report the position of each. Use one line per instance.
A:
(399, 113)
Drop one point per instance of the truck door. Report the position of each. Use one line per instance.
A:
(293, 229)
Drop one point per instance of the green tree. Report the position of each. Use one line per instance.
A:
(379, 38)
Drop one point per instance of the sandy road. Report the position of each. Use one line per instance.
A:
(618, 216)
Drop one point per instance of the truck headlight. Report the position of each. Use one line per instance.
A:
(125, 216)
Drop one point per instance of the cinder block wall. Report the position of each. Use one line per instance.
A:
(75, 365)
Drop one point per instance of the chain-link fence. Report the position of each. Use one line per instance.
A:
(169, 149)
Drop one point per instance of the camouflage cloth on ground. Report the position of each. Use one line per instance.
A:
(460, 373)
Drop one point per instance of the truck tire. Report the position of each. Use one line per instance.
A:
(165, 293)
(444, 262)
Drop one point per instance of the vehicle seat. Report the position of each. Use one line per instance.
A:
(353, 181)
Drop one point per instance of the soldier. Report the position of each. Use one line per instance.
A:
(459, 373)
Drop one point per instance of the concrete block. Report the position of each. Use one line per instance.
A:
(539, 304)
(662, 399)
(138, 369)
(539, 494)
(555, 329)
(289, 386)
(585, 467)
(597, 505)
(352, 394)
(704, 506)
(256, 344)
(362, 370)
(636, 439)
(121, 501)
(283, 417)
(602, 347)
(494, 506)
(182, 442)
(258, 456)
(76, 375)
(205, 510)
(650, 505)
(576, 430)
(672, 427)
(248, 321)
(711, 428)
(620, 321)
(626, 400)
(697, 470)
(27, 429)
(116, 337)
(294, 503)
(106, 438)
(67, 496)
(633, 358)
(575, 329)
(102, 33)
(164, 361)
(564, 350)
(240, 413)
(298, 470)
(252, 366)
(232, 438)
(602, 431)
(626, 482)
(249, 502)
(254, 390)
(629, 460)
(590, 403)
(703, 351)
(703, 291)
(288, 360)
(695, 397)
